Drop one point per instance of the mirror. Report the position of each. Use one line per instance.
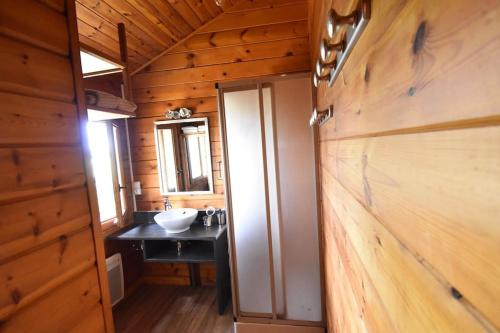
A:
(184, 159)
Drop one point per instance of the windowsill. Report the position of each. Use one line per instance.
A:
(109, 230)
(112, 225)
(109, 226)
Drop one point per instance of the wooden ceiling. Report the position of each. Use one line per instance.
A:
(153, 26)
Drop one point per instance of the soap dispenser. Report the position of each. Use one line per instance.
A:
(207, 220)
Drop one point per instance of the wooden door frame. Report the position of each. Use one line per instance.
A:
(91, 189)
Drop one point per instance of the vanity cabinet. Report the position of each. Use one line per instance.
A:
(197, 245)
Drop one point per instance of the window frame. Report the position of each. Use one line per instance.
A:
(120, 171)
(115, 149)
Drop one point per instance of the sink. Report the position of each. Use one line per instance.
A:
(176, 220)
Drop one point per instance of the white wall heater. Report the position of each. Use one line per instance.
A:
(115, 277)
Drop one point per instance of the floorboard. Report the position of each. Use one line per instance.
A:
(165, 309)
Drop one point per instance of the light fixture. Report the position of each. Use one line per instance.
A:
(335, 21)
(181, 113)
(219, 2)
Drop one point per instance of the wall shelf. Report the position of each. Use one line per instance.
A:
(166, 251)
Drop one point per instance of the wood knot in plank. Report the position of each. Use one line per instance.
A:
(15, 157)
(367, 73)
(455, 293)
(243, 33)
(15, 295)
(36, 228)
(211, 41)
(63, 244)
(420, 35)
(412, 91)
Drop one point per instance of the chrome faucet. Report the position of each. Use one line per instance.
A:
(166, 204)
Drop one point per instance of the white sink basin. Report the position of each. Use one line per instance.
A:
(176, 220)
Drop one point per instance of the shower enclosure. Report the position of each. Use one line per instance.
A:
(271, 188)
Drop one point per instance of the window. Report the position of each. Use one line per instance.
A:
(106, 159)
(196, 152)
(93, 64)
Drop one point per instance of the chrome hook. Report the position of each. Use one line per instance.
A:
(335, 21)
(323, 68)
(320, 117)
(326, 49)
(317, 78)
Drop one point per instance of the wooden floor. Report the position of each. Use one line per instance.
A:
(154, 308)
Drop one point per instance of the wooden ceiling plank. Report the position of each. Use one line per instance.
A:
(227, 4)
(152, 25)
(89, 32)
(253, 18)
(168, 49)
(261, 4)
(170, 16)
(213, 9)
(99, 23)
(97, 49)
(186, 12)
(200, 10)
(104, 10)
(154, 16)
(103, 39)
(129, 11)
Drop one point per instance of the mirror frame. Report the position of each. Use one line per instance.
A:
(208, 147)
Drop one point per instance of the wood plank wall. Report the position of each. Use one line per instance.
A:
(410, 170)
(254, 38)
(49, 280)
(232, 47)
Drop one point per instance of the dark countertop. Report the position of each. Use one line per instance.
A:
(152, 231)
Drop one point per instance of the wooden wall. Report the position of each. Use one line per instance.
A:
(250, 40)
(254, 38)
(410, 170)
(49, 266)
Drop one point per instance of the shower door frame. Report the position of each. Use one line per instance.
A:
(274, 317)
